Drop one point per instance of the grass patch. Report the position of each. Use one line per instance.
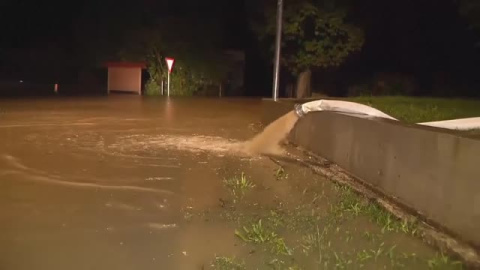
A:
(304, 235)
(280, 174)
(441, 261)
(238, 186)
(316, 242)
(227, 263)
(417, 110)
(353, 204)
(257, 233)
(297, 220)
(341, 262)
(282, 265)
(396, 261)
(388, 221)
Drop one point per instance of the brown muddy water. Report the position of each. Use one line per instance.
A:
(125, 182)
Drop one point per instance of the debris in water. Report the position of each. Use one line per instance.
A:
(195, 144)
(158, 178)
(160, 226)
(266, 142)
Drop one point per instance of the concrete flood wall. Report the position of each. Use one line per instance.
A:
(434, 172)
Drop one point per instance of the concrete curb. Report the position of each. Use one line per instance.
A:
(430, 234)
(432, 171)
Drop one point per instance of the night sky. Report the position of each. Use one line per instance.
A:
(419, 37)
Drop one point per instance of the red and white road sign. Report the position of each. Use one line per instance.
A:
(170, 62)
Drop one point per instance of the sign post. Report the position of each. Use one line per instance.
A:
(170, 62)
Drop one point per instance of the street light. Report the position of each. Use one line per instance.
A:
(278, 41)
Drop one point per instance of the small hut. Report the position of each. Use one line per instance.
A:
(125, 77)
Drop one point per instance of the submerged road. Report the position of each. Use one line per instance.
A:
(101, 183)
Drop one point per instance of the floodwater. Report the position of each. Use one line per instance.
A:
(125, 182)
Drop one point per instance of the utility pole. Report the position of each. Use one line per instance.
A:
(278, 41)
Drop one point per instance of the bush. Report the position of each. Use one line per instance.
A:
(394, 84)
(359, 90)
(152, 88)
